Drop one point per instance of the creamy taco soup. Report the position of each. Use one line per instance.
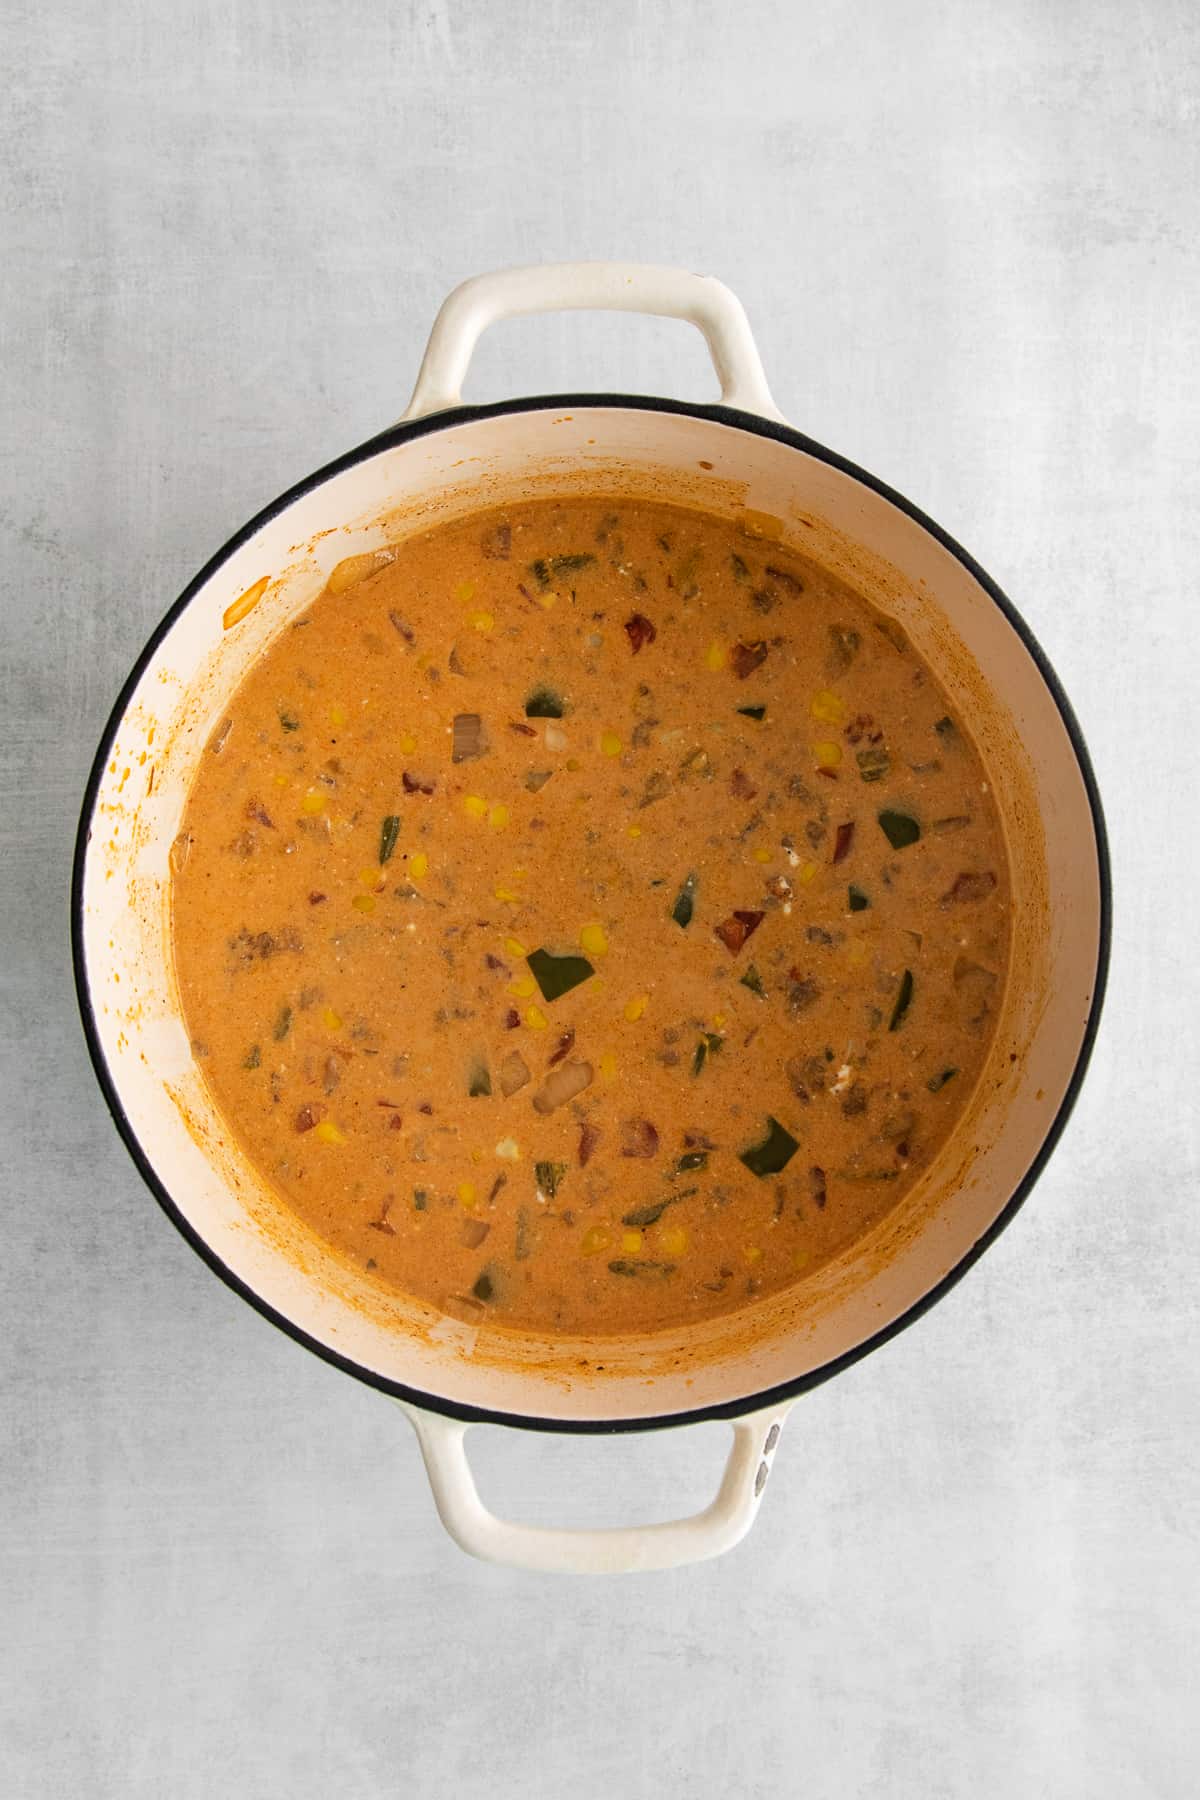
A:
(590, 917)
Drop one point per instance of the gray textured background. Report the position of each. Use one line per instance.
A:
(968, 238)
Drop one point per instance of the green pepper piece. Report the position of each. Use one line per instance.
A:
(547, 567)
(902, 1001)
(557, 975)
(900, 829)
(649, 1214)
(389, 831)
(857, 899)
(685, 903)
(936, 1083)
(548, 1175)
(543, 703)
(773, 1154)
(753, 980)
(753, 712)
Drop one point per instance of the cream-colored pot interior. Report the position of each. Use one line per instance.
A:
(450, 466)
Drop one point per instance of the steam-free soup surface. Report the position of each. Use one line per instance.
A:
(590, 917)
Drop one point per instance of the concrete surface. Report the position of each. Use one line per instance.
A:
(967, 236)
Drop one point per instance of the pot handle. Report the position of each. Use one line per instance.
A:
(613, 1550)
(602, 287)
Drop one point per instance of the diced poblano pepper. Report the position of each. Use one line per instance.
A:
(557, 975)
(773, 1154)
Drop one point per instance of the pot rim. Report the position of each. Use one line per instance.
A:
(720, 415)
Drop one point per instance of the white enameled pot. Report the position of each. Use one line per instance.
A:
(444, 459)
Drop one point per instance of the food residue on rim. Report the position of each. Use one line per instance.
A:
(245, 603)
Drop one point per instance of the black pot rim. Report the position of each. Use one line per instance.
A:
(784, 1391)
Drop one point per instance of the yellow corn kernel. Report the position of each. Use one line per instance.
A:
(498, 817)
(506, 894)
(633, 831)
(313, 801)
(719, 1022)
(466, 1193)
(524, 989)
(829, 708)
(408, 743)
(464, 593)
(515, 947)
(674, 1241)
(636, 1007)
(608, 1066)
(508, 1150)
(762, 854)
(827, 755)
(281, 781)
(363, 903)
(807, 871)
(595, 1239)
(801, 1259)
(856, 953)
(338, 715)
(752, 1254)
(370, 878)
(593, 940)
(547, 600)
(327, 1133)
(610, 743)
(631, 1242)
(475, 805)
(331, 1020)
(715, 656)
(244, 603)
(418, 865)
(483, 621)
(535, 1018)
